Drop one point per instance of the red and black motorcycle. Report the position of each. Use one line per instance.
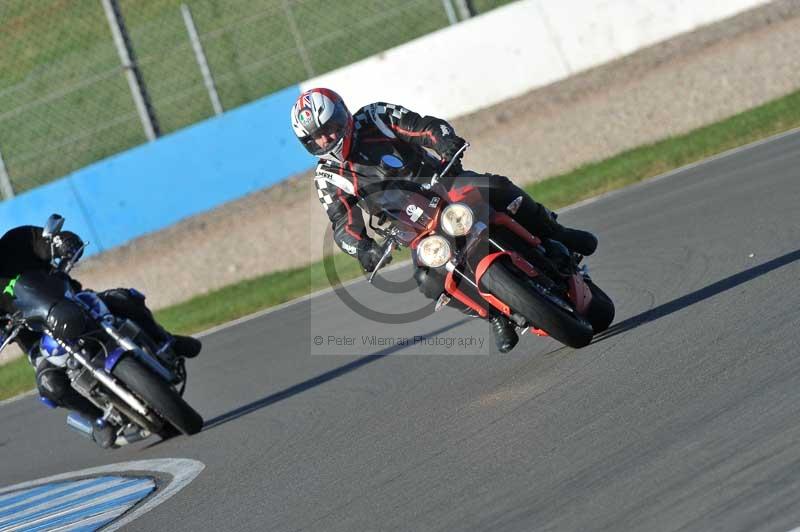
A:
(491, 261)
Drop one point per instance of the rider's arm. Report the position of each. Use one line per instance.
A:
(27, 342)
(426, 131)
(348, 224)
(28, 237)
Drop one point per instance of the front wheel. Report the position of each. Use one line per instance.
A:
(601, 310)
(159, 396)
(514, 288)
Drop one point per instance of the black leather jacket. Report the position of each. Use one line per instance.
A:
(380, 129)
(23, 249)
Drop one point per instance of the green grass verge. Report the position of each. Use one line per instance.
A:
(587, 181)
(647, 161)
(65, 102)
(16, 377)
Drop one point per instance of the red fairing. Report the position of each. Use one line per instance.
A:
(433, 213)
(452, 289)
(515, 257)
(469, 194)
(579, 293)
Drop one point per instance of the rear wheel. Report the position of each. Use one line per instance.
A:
(159, 395)
(516, 290)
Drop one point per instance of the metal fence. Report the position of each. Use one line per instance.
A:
(65, 99)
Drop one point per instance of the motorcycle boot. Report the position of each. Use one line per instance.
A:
(186, 346)
(505, 335)
(103, 434)
(503, 331)
(540, 221)
(579, 241)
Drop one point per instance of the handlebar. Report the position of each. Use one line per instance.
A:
(66, 265)
(388, 248)
(461, 150)
(15, 327)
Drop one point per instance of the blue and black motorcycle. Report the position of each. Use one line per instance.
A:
(110, 360)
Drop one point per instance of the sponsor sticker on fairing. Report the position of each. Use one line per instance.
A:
(414, 212)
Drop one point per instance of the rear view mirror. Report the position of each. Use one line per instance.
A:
(53, 226)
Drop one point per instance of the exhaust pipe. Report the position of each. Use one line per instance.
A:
(80, 424)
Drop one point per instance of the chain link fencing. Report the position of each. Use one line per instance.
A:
(65, 101)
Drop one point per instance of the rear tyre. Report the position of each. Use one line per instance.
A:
(515, 289)
(159, 396)
(601, 310)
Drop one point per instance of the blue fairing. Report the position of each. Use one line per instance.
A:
(95, 305)
(50, 347)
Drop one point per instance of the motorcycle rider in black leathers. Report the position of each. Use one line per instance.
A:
(351, 147)
(24, 249)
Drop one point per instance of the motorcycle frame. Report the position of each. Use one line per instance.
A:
(578, 292)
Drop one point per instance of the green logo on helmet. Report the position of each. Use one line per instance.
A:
(306, 118)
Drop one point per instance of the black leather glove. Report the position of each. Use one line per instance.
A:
(449, 145)
(67, 245)
(369, 253)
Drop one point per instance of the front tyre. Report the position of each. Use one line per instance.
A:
(515, 289)
(601, 310)
(159, 396)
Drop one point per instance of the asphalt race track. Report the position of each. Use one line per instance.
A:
(685, 416)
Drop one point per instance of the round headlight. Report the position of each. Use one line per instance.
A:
(457, 219)
(434, 251)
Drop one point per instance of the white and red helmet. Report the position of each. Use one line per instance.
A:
(322, 112)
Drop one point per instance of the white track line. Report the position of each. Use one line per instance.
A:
(182, 471)
(17, 397)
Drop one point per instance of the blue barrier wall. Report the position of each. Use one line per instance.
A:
(157, 184)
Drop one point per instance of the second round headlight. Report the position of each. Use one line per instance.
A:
(457, 219)
(434, 251)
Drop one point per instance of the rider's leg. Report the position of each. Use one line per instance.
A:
(500, 192)
(431, 284)
(130, 304)
(54, 385)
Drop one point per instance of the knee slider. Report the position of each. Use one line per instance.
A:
(52, 384)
